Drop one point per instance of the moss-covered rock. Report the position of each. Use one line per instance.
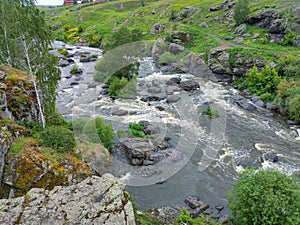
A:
(42, 167)
(17, 94)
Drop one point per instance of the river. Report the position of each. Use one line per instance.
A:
(215, 150)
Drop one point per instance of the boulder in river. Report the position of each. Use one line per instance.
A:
(63, 63)
(138, 149)
(119, 112)
(173, 98)
(189, 85)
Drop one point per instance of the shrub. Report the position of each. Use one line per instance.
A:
(121, 87)
(211, 113)
(266, 97)
(262, 82)
(289, 66)
(78, 125)
(241, 11)
(293, 107)
(58, 137)
(167, 58)
(288, 96)
(55, 118)
(97, 132)
(74, 69)
(136, 129)
(265, 197)
(289, 38)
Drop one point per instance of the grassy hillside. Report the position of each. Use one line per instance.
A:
(95, 23)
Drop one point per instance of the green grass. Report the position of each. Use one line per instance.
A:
(99, 21)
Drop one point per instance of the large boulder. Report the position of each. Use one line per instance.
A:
(189, 85)
(96, 200)
(180, 37)
(265, 19)
(176, 49)
(42, 167)
(138, 149)
(219, 61)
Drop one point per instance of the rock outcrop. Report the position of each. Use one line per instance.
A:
(96, 200)
(221, 61)
(37, 167)
(17, 95)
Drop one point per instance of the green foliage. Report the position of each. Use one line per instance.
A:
(289, 38)
(121, 87)
(96, 131)
(265, 197)
(266, 97)
(63, 51)
(184, 217)
(59, 138)
(167, 58)
(293, 107)
(116, 63)
(74, 68)
(55, 118)
(19, 144)
(288, 96)
(136, 129)
(78, 125)
(211, 113)
(94, 56)
(289, 66)
(262, 82)
(25, 35)
(241, 11)
(123, 36)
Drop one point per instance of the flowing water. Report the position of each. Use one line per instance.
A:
(215, 150)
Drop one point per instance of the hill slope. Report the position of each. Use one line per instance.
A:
(209, 22)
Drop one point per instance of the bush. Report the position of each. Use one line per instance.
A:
(262, 82)
(265, 197)
(293, 107)
(78, 125)
(167, 58)
(58, 137)
(211, 113)
(288, 96)
(136, 129)
(289, 66)
(289, 38)
(121, 87)
(97, 132)
(241, 11)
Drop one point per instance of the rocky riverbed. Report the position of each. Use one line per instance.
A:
(189, 154)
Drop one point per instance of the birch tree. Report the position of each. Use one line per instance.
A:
(28, 38)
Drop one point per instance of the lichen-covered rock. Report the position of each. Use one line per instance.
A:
(17, 95)
(157, 28)
(42, 168)
(8, 130)
(218, 61)
(96, 200)
(222, 62)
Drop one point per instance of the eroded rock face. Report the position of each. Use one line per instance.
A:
(96, 200)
